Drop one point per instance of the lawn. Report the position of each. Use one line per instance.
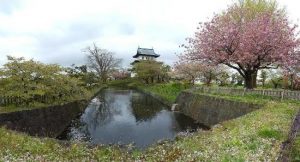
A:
(295, 153)
(168, 92)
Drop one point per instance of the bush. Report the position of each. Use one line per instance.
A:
(31, 81)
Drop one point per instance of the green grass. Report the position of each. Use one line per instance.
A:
(255, 99)
(256, 136)
(122, 83)
(168, 92)
(269, 133)
(13, 108)
(295, 152)
(20, 147)
(248, 98)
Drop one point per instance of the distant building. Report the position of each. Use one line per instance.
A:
(144, 54)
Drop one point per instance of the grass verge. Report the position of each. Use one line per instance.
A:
(295, 152)
(168, 92)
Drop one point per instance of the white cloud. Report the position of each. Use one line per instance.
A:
(55, 31)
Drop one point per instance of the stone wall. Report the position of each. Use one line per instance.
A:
(210, 110)
(45, 122)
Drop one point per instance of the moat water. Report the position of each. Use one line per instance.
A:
(125, 117)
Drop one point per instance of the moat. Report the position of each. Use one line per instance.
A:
(124, 117)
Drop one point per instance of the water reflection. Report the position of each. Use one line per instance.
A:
(127, 116)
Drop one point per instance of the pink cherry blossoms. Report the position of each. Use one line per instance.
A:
(266, 41)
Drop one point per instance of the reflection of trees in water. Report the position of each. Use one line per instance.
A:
(102, 113)
(144, 107)
(126, 115)
(183, 122)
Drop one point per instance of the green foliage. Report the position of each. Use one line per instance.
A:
(33, 81)
(252, 8)
(236, 80)
(125, 83)
(151, 71)
(263, 76)
(223, 78)
(276, 82)
(88, 79)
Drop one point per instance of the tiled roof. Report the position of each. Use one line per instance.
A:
(145, 52)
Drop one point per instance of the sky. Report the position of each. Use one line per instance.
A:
(56, 31)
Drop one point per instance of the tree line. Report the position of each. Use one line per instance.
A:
(251, 42)
(32, 81)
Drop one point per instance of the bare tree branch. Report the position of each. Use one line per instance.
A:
(101, 61)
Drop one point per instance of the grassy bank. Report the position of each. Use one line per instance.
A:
(20, 147)
(256, 136)
(35, 105)
(168, 92)
(295, 152)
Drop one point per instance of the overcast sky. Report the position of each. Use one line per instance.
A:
(55, 31)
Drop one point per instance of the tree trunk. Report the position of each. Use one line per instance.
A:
(208, 80)
(193, 80)
(103, 77)
(248, 82)
(292, 81)
(254, 79)
(146, 80)
(250, 79)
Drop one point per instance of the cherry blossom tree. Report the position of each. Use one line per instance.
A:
(120, 74)
(188, 70)
(292, 75)
(192, 70)
(264, 40)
